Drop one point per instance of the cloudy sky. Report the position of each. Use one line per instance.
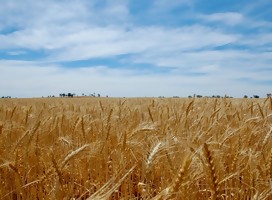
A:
(135, 48)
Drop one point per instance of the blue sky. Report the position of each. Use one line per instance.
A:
(135, 48)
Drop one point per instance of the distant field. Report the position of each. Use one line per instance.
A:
(141, 148)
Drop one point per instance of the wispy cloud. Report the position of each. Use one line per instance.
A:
(40, 40)
(229, 18)
(16, 53)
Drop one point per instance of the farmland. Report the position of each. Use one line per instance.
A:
(135, 148)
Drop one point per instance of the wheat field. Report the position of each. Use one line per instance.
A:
(135, 148)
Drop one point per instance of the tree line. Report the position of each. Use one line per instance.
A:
(84, 95)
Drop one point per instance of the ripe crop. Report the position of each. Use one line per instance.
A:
(141, 148)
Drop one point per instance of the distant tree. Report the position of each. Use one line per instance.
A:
(269, 95)
(98, 95)
(256, 96)
(199, 96)
(189, 96)
(245, 96)
(70, 95)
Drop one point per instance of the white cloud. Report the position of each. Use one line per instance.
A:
(16, 53)
(75, 42)
(79, 30)
(43, 81)
(39, 79)
(263, 39)
(229, 18)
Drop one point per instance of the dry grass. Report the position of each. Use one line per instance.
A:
(103, 148)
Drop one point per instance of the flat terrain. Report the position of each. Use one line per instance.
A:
(135, 148)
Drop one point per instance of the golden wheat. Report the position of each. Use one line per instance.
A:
(135, 148)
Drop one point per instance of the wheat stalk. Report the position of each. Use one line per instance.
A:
(107, 189)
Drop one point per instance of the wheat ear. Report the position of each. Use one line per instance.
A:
(151, 156)
(180, 177)
(169, 192)
(73, 154)
(212, 174)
